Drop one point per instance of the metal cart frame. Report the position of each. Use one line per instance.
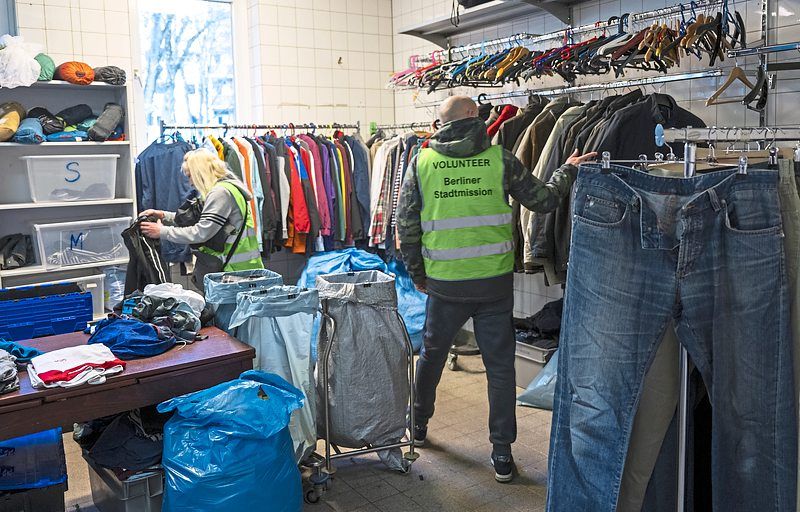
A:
(322, 465)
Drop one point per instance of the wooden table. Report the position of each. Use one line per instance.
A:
(181, 370)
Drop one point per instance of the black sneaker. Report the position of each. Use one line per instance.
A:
(504, 468)
(420, 433)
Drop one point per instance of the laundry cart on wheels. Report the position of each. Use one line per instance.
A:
(365, 374)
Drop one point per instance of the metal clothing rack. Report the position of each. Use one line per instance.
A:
(224, 126)
(407, 126)
(620, 84)
(733, 134)
(529, 39)
(763, 50)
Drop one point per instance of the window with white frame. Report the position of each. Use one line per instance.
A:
(187, 62)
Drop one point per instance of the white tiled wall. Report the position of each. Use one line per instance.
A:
(530, 291)
(322, 61)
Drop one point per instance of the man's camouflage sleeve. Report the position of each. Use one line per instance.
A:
(409, 225)
(530, 191)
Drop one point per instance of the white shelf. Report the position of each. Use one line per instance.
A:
(63, 204)
(439, 30)
(40, 269)
(60, 84)
(62, 144)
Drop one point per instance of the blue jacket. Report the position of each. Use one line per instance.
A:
(161, 185)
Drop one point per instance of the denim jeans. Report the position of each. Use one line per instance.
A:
(494, 332)
(707, 254)
(790, 209)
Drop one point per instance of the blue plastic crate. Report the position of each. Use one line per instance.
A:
(44, 315)
(33, 461)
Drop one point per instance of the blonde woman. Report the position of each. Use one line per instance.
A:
(221, 237)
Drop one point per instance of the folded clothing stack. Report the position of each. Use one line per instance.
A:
(8, 373)
(73, 366)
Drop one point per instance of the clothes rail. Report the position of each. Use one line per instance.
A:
(403, 126)
(290, 126)
(764, 50)
(620, 84)
(526, 38)
(733, 134)
(516, 38)
(664, 12)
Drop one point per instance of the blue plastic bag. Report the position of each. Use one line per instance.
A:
(228, 448)
(541, 391)
(411, 302)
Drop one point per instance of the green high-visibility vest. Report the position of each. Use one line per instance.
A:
(247, 255)
(466, 219)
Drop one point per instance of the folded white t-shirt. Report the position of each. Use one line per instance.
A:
(73, 366)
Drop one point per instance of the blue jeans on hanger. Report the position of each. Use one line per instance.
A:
(707, 254)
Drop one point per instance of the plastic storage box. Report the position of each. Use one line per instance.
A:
(33, 311)
(71, 177)
(46, 499)
(529, 362)
(79, 243)
(32, 462)
(93, 284)
(140, 493)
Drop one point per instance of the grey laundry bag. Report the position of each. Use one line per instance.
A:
(221, 289)
(368, 367)
(279, 323)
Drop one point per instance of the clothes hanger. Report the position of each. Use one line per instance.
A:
(736, 73)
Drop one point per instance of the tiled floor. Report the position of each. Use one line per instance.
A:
(452, 474)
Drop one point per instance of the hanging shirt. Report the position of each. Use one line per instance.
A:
(319, 184)
(377, 182)
(298, 220)
(254, 185)
(216, 146)
(338, 225)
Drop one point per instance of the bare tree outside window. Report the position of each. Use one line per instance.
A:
(188, 71)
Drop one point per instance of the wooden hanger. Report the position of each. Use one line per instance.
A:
(691, 30)
(736, 73)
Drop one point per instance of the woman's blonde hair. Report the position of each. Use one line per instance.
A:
(204, 168)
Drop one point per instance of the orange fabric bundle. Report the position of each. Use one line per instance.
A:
(75, 73)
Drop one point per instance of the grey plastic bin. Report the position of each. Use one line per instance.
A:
(529, 362)
(140, 493)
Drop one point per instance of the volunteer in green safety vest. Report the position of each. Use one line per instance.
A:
(226, 205)
(456, 236)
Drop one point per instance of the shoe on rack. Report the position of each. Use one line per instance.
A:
(420, 433)
(504, 468)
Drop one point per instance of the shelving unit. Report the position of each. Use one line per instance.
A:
(33, 270)
(18, 213)
(439, 30)
(32, 147)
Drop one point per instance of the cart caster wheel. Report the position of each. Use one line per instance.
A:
(411, 456)
(312, 497)
(320, 480)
